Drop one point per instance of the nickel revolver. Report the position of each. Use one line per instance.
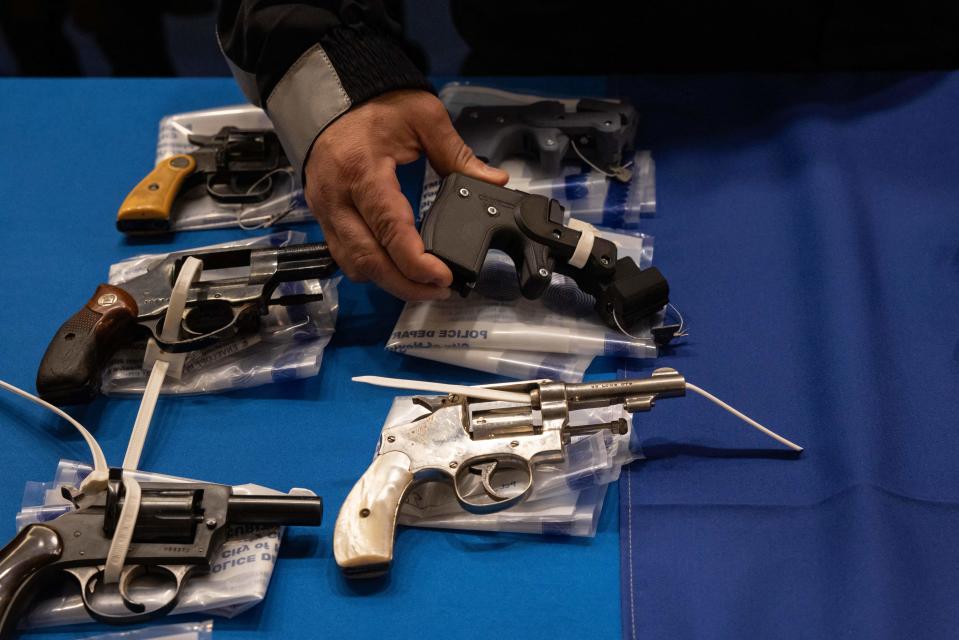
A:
(461, 439)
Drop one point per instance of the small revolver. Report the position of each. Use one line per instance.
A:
(217, 308)
(470, 217)
(461, 440)
(236, 165)
(600, 131)
(179, 530)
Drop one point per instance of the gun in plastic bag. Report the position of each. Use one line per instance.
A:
(464, 442)
(470, 217)
(236, 165)
(217, 308)
(179, 529)
(600, 132)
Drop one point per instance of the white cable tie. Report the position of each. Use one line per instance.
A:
(270, 220)
(189, 273)
(624, 332)
(480, 393)
(141, 426)
(742, 416)
(584, 246)
(97, 480)
(123, 533)
(620, 173)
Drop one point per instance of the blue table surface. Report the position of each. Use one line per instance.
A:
(807, 225)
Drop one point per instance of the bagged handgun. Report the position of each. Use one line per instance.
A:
(240, 286)
(594, 187)
(470, 217)
(462, 441)
(179, 531)
(598, 132)
(233, 166)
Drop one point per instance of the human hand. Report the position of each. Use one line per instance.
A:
(352, 189)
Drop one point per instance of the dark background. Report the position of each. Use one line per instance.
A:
(509, 37)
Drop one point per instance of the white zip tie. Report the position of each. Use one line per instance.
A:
(742, 416)
(584, 246)
(123, 532)
(608, 174)
(484, 393)
(270, 220)
(97, 480)
(126, 522)
(480, 393)
(189, 273)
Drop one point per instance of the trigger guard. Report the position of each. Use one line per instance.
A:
(138, 611)
(499, 502)
(228, 330)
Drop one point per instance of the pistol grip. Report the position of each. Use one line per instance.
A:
(70, 370)
(366, 525)
(147, 208)
(22, 561)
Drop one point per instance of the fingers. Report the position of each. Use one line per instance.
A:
(388, 214)
(361, 257)
(448, 153)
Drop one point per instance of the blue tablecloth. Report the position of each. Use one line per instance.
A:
(808, 229)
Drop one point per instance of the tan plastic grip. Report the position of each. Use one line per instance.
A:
(366, 525)
(147, 207)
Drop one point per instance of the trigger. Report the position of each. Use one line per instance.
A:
(536, 270)
(486, 473)
(126, 576)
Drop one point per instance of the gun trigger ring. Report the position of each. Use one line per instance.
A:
(126, 577)
(486, 472)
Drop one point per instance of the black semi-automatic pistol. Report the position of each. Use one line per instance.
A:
(236, 165)
(179, 530)
(470, 217)
(216, 309)
(598, 131)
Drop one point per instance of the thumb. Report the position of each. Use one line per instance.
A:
(448, 153)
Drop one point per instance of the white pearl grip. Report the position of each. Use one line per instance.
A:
(366, 525)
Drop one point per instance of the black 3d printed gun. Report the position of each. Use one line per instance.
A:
(599, 131)
(470, 217)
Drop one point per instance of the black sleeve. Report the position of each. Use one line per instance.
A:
(307, 63)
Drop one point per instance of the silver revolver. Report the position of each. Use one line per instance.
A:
(463, 440)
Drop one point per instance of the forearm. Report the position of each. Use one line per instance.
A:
(307, 63)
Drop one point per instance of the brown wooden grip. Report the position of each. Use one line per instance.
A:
(147, 208)
(70, 370)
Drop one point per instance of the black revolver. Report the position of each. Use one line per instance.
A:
(179, 530)
(236, 165)
(470, 217)
(599, 131)
(217, 308)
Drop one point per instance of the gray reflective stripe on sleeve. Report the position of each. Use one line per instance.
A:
(247, 82)
(245, 79)
(305, 100)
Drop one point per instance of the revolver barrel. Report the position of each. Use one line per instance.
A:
(305, 511)
(664, 383)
